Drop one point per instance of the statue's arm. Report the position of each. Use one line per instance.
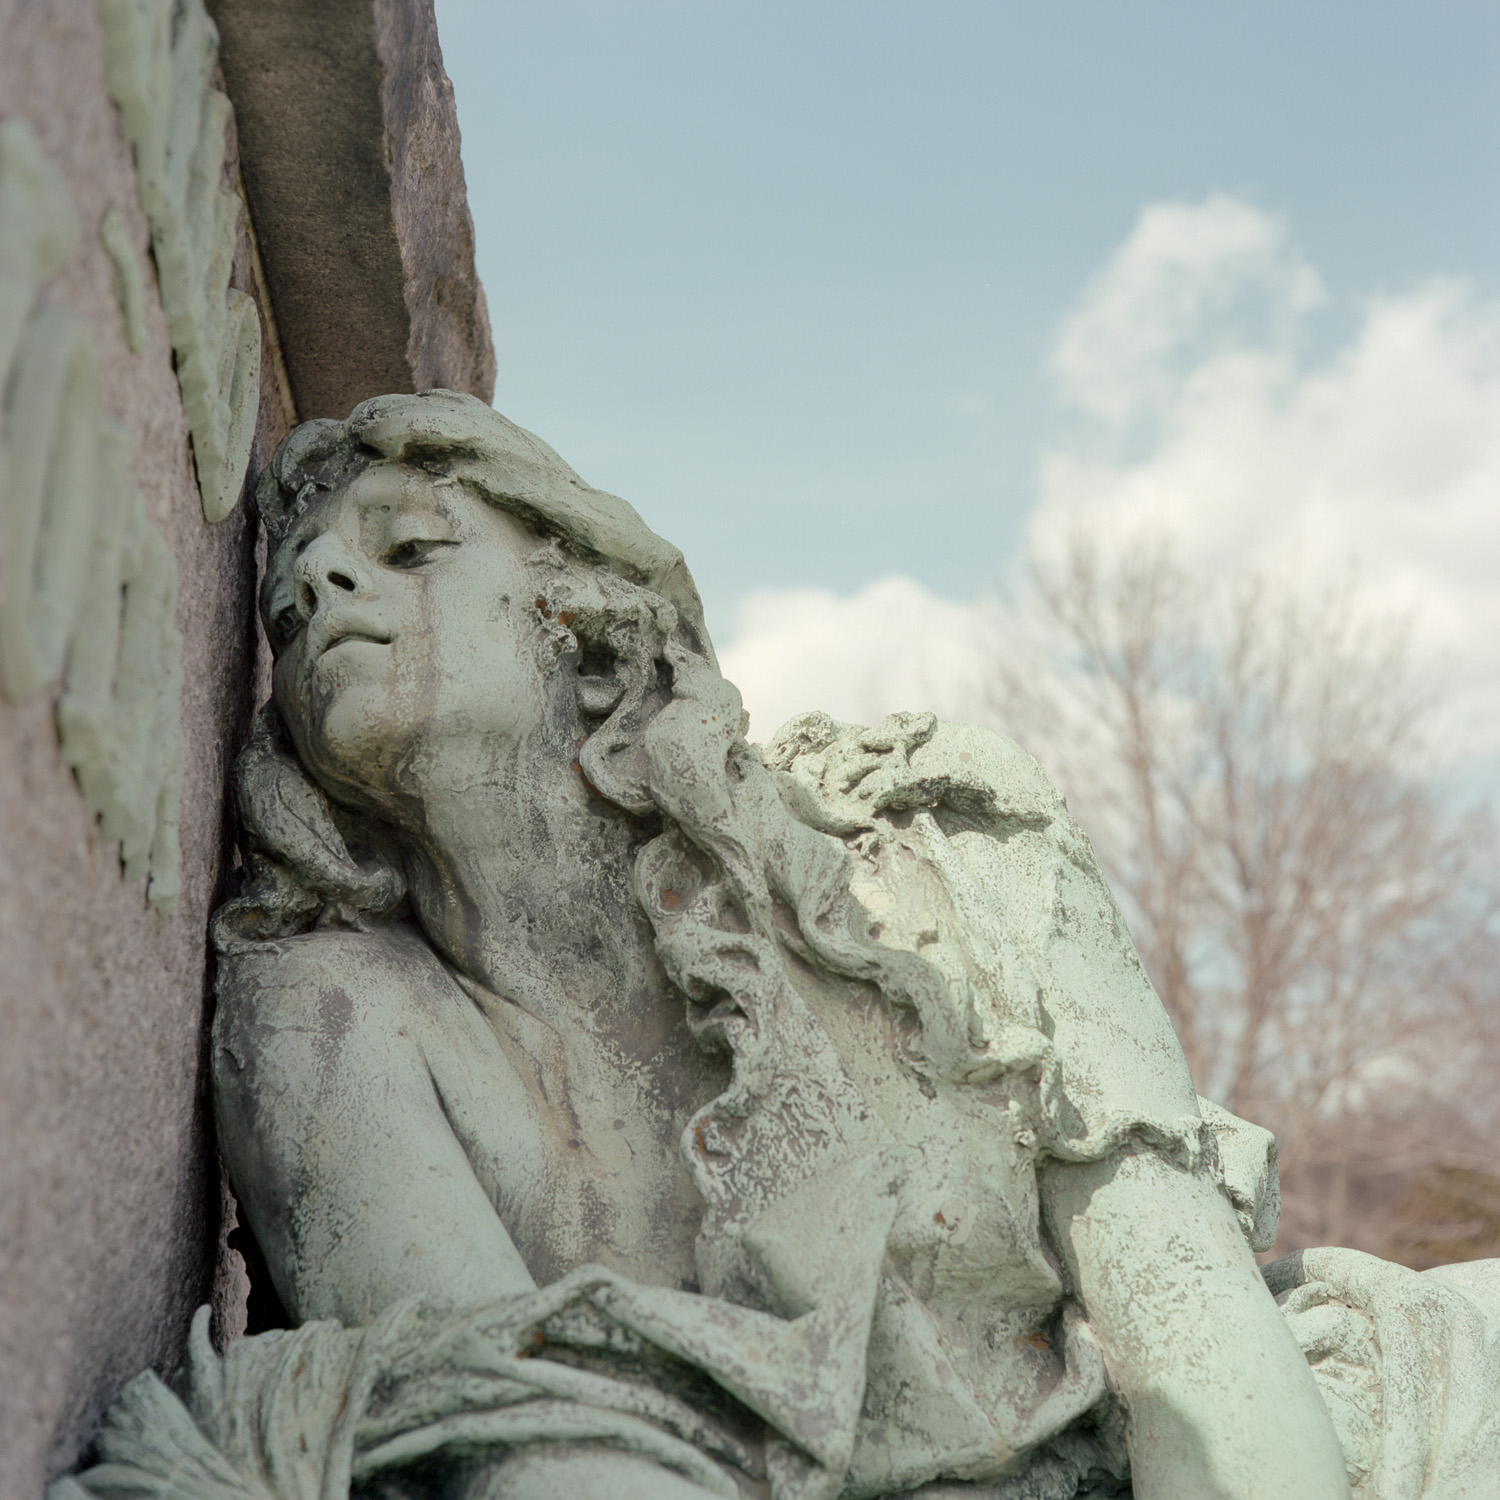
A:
(1221, 1402)
(334, 1132)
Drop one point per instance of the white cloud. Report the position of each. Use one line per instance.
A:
(1187, 277)
(1200, 415)
(1382, 459)
(894, 645)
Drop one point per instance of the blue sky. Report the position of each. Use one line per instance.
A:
(786, 275)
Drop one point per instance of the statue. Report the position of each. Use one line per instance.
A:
(624, 1110)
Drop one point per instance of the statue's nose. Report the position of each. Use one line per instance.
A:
(329, 571)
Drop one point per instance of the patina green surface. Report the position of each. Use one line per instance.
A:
(130, 283)
(159, 59)
(626, 1110)
(88, 587)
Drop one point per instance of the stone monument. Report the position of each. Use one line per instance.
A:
(609, 1107)
(624, 1110)
(169, 309)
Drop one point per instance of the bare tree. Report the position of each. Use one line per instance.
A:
(1315, 912)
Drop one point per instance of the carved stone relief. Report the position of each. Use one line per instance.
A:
(159, 56)
(89, 599)
(130, 285)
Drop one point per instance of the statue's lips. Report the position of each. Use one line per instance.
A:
(353, 639)
(347, 632)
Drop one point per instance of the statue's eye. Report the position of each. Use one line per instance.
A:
(413, 552)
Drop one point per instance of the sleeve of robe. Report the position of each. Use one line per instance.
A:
(967, 856)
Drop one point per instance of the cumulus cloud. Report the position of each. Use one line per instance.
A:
(1380, 461)
(893, 645)
(1200, 414)
(1192, 280)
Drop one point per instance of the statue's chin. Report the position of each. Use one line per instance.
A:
(348, 736)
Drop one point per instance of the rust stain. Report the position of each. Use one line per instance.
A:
(566, 616)
(589, 784)
(671, 900)
(542, 608)
(1037, 1341)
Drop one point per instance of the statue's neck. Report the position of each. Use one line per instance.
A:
(522, 877)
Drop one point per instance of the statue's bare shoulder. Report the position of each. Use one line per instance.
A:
(302, 978)
(330, 991)
(352, 1077)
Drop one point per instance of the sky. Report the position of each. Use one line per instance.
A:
(862, 303)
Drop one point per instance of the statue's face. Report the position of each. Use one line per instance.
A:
(400, 617)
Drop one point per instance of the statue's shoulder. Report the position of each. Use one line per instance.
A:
(326, 976)
(842, 776)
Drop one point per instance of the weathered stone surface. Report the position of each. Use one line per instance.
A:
(160, 62)
(352, 170)
(633, 1112)
(108, 1180)
(625, 1112)
(110, 1229)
